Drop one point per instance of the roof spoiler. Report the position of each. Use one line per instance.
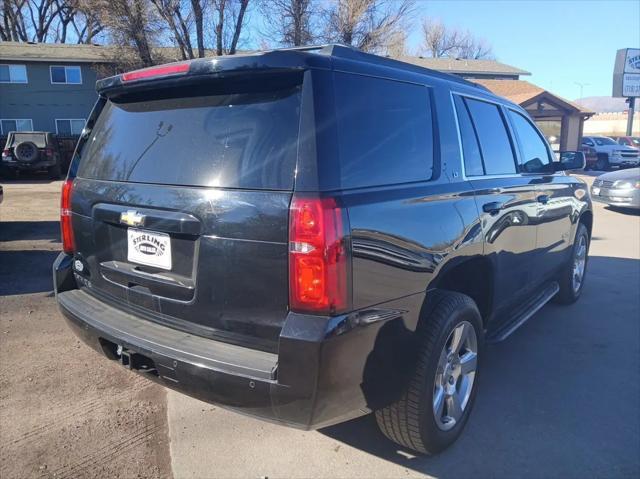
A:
(285, 59)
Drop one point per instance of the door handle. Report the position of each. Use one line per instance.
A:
(493, 207)
(544, 199)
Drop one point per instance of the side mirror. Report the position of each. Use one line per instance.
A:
(570, 160)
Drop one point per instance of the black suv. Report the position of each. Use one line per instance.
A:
(30, 151)
(310, 235)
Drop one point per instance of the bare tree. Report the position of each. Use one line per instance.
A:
(130, 23)
(86, 21)
(476, 49)
(178, 20)
(48, 20)
(66, 14)
(229, 18)
(370, 25)
(442, 41)
(42, 14)
(198, 19)
(12, 25)
(239, 22)
(289, 22)
(30, 20)
(438, 40)
(397, 45)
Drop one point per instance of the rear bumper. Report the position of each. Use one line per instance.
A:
(20, 165)
(327, 370)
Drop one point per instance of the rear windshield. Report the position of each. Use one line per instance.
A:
(246, 140)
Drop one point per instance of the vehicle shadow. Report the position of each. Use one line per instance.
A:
(22, 270)
(549, 403)
(25, 272)
(29, 230)
(624, 211)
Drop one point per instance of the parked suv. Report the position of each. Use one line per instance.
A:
(30, 151)
(310, 235)
(610, 153)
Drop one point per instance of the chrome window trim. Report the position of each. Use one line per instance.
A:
(502, 107)
(507, 127)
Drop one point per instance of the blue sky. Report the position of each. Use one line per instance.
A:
(560, 42)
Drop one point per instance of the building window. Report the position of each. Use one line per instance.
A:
(68, 75)
(15, 125)
(13, 74)
(69, 127)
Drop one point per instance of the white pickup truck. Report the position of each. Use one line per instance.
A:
(610, 153)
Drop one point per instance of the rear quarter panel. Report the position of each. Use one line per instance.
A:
(401, 238)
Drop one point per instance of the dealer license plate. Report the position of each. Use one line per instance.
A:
(149, 248)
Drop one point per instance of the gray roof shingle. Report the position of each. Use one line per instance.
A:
(460, 67)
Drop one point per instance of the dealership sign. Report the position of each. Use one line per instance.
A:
(626, 73)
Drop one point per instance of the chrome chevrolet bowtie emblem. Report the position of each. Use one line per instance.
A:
(131, 218)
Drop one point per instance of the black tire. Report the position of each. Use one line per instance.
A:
(411, 421)
(54, 172)
(602, 163)
(568, 294)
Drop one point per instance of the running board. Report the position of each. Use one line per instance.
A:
(523, 313)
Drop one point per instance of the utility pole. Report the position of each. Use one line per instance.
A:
(632, 105)
(581, 85)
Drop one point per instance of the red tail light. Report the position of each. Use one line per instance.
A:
(318, 257)
(164, 70)
(68, 241)
(6, 152)
(49, 152)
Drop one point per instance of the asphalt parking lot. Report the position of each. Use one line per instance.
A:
(560, 398)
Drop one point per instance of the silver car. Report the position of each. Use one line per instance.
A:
(618, 188)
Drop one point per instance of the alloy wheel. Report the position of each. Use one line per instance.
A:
(455, 375)
(579, 263)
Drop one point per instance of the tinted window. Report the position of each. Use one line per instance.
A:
(534, 153)
(385, 132)
(587, 141)
(470, 148)
(234, 140)
(494, 140)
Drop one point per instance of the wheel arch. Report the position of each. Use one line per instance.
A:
(586, 218)
(472, 276)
